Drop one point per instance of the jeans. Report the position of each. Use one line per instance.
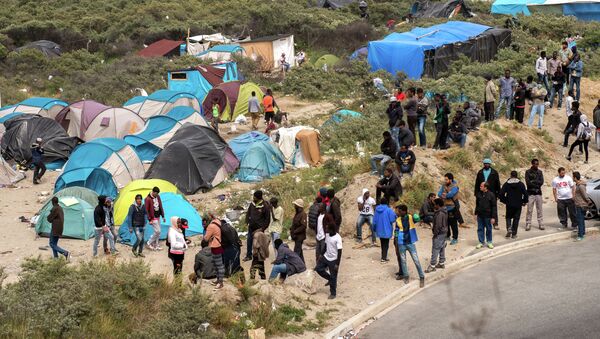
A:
(155, 223)
(115, 235)
(319, 249)
(566, 207)
(460, 139)
(412, 121)
(383, 160)
(139, 239)
(39, 171)
(385, 245)
(537, 109)
(55, 248)
(452, 224)
(275, 236)
(421, 128)
(553, 92)
(484, 229)
(543, 78)
(568, 131)
(98, 233)
(575, 81)
(400, 270)
(580, 142)
(413, 253)
(277, 270)
(438, 248)
(324, 265)
(513, 215)
(580, 213)
(507, 100)
(395, 132)
(537, 201)
(364, 219)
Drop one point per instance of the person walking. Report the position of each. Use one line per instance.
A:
(328, 263)
(438, 243)
(137, 216)
(422, 114)
(101, 228)
(269, 106)
(177, 245)
(449, 193)
(276, 224)
(563, 189)
(538, 94)
(575, 73)
(37, 160)
(582, 202)
(258, 217)
(407, 238)
(335, 209)
(366, 207)
(520, 98)
(287, 262)
(57, 219)
(573, 120)
(489, 98)
(507, 86)
(110, 222)
(534, 178)
(514, 195)
(213, 235)
(260, 253)
(442, 112)
(254, 110)
(388, 152)
(383, 224)
(155, 211)
(485, 210)
(596, 119)
(411, 110)
(491, 176)
(541, 68)
(584, 135)
(298, 228)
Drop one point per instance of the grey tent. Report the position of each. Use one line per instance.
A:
(434, 9)
(48, 48)
(23, 130)
(195, 158)
(334, 4)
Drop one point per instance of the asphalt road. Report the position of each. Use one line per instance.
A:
(552, 291)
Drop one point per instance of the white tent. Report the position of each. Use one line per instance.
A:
(8, 175)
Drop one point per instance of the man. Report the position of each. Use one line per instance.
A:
(287, 262)
(137, 216)
(471, 116)
(582, 202)
(313, 213)
(534, 178)
(438, 243)
(388, 152)
(254, 110)
(101, 228)
(514, 195)
(300, 58)
(285, 66)
(328, 264)
(563, 189)
(411, 110)
(457, 132)
(491, 176)
(298, 228)
(558, 82)
(489, 98)
(389, 186)
(407, 238)
(258, 217)
(203, 263)
(573, 122)
(575, 74)
(596, 119)
(520, 98)
(110, 222)
(276, 224)
(366, 208)
(584, 135)
(231, 244)
(405, 136)
(383, 225)
(538, 94)
(422, 114)
(554, 65)
(154, 209)
(323, 221)
(541, 68)
(335, 208)
(449, 193)
(394, 114)
(427, 210)
(485, 210)
(37, 159)
(269, 106)
(405, 161)
(442, 112)
(507, 85)
(260, 253)
(565, 54)
(57, 219)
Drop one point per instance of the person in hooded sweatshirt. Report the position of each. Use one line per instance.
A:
(582, 202)
(490, 175)
(101, 228)
(137, 216)
(177, 245)
(514, 195)
(383, 223)
(110, 222)
(214, 237)
(287, 262)
(258, 217)
(584, 135)
(439, 229)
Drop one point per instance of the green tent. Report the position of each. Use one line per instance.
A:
(80, 192)
(246, 90)
(328, 59)
(79, 218)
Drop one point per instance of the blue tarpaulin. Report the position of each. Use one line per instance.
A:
(586, 11)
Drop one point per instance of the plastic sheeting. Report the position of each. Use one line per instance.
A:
(449, 9)
(8, 175)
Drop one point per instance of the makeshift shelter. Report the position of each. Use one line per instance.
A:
(326, 61)
(144, 187)
(159, 129)
(360, 53)
(195, 158)
(586, 10)
(221, 52)
(103, 165)
(240, 144)
(174, 205)
(342, 115)
(200, 43)
(299, 145)
(88, 120)
(268, 50)
(46, 107)
(161, 48)
(78, 218)
(48, 48)
(232, 98)
(201, 79)
(23, 130)
(429, 51)
(435, 9)
(259, 158)
(334, 4)
(8, 175)
(161, 102)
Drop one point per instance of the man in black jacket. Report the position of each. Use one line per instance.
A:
(390, 186)
(534, 178)
(394, 112)
(489, 175)
(388, 152)
(439, 229)
(257, 217)
(335, 208)
(457, 132)
(101, 226)
(485, 210)
(514, 195)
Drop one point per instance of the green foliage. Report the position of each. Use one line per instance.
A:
(415, 191)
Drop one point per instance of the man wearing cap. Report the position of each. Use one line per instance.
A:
(366, 205)
(491, 176)
(298, 228)
(37, 159)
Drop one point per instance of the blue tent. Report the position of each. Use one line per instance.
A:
(240, 144)
(161, 102)
(587, 11)
(201, 79)
(174, 205)
(262, 160)
(9, 116)
(47, 107)
(405, 52)
(341, 115)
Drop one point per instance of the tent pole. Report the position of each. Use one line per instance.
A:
(430, 33)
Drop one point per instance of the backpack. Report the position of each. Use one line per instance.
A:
(229, 235)
(587, 132)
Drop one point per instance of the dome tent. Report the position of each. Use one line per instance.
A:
(160, 128)
(127, 195)
(259, 158)
(341, 116)
(161, 102)
(195, 158)
(232, 98)
(240, 144)
(46, 107)
(88, 120)
(103, 165)
(8, 175)
(79, 192)
(79, 218)
(328, 60)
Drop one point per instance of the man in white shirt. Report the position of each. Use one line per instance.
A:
(563, 189)
(541, 68)
(329, 263)
(366, 205)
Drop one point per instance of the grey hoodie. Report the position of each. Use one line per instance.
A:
(440, 222)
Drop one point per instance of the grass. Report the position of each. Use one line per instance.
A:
(415, 191)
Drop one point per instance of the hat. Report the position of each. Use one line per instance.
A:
(365, 190)
(184, 223)
(487, 161)
(393, 99)
(38, 139)
(299, 203)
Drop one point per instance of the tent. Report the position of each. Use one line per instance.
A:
(200, 43)
(78, 192)
(79, 218)
(449, 9)
(221, 52)
(342, 115)
(195, 158)
(103, 165)
(240, 144)
(23, 130)
(299, 145)
(269, 49)
(360, 53)
(334, 4)
(586, 10)
(47, 107)
(48, 48)
(159, 129)
(429, 51)
(174, 205)
(232, 98)
(161, 102)
(8, 175)
(88, 120)
(201, 79)
(127, 195)
(259, 158)
(326, 61)
(160, 48)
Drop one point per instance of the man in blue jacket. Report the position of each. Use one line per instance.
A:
(449, 193)
(37, 159)
(383, 223)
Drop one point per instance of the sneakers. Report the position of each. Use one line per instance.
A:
(430, 269)
(422, 282)
(442, 266)
(68, 256)
(527, 227)
(579, 239)
(480, 245)
(331, 297)
(453, 242)
(514, 236)
(150, 246)
(141, 255)
(490, 245)
(568, 158)
(247, 259)
(508, 235)
(406, 280)
(135, 254)
(542, 228)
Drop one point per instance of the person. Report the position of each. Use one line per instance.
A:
(300, 58)
(366, 206)
(405, 161)
(490, 94)
(427, 210)
(57, 219)
(260, 253)
(213, 235)
(558, 82)
(313, 213)
(541, 68)
(407, 238)
(471, 116)
(485, 210)
(563, 188)
(269, 106)
(101, 229)
(154, 209)
(565, 57)
(378, 83)
(438, 243)
(582, 203)
(573, 121)
(298, 228)
(491, 176)
(37, 160)
(538, 94)
(575, 71)
(442, 112)
(110, 223)
(216, 114)
(596, 119)
(203, 265)
(323, 221)
(534, 178)
(507, 85)
(411, 110)
(514, 195)
(394, 114)
(285, 66)
(287, 262)
(400, 95)
(183, 223)
(177, 245)
(449, 193)
(137, 216)
(422, 114)
(520, 97)
(405, 136)
(554, 65)
(254, 110)
(258, 217)
(328, 263)
(383, 225)
(363, 9)
(389, 186)
(276, 225)
(584, 135)
(388, 152)
(231, 244)
(335, 208)
(457, 132)
(569, 103)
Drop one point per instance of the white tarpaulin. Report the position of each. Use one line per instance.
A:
(201, 43)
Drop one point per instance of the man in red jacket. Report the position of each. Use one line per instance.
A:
(155, 211)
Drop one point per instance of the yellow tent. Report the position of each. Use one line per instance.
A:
(127, 195)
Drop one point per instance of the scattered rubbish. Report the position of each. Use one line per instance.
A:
(203, 326)
(5, 252)
(23, 219)
(44, 248)
(370, 302)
